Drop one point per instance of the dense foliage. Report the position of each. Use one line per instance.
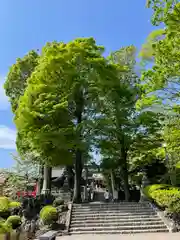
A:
(70, 100)
(164, 196)
(49, 215)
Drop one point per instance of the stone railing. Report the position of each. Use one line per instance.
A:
(68, 217)
(16, 236)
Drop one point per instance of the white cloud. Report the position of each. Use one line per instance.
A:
(4, 104)
(7, 138)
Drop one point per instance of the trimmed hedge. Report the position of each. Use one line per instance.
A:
(148, 190)
(4, 204)
(49, 214)
(5, 228)
(174, 206)
(165, 196)
(14, 221)
(14, 205)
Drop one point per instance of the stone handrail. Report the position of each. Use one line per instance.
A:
(68, 217)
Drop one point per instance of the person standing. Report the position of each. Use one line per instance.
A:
(115, 197)
(106, 195)
(89, 192)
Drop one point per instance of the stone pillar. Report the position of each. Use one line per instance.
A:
(145, 182)
(85, 188)
(112, 183)
(38, 187)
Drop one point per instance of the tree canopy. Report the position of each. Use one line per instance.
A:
(69, 99)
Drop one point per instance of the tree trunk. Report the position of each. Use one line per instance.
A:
(70, 177)
(46, 189)
(86, 193)
(78, 157)
(126, 183)
(77, 177)
(112, 183)
(123, 158)
(125, 173)
(39, 180)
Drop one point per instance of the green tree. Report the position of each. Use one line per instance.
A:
(161, 83)
(163, 78)
(15, 85)
(58, 104)
(117, 110)
(125, 132)
(16, 81)
(161, 9)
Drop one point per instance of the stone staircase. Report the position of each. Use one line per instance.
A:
(115, 218)
(65, 195)
(98, 196)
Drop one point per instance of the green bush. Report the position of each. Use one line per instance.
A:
(48, 215)
(57, 202)
(5, 228)
(14, 221)
(4, 204)
(148, 190)
(174, 205)
(164, 197)
(14, 205)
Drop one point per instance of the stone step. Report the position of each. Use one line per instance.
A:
(121, 232)
(110, 217)
(115, 224)
(91, 206)
(105, 205)
(110, 208)
(114, 213)
(112, 220)
(121, 228)
(147, 210)
(117, 214)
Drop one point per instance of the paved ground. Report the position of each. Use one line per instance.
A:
(151, 236)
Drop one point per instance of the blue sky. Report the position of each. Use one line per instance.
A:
(27, 25)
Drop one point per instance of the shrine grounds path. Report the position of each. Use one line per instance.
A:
(147, 236)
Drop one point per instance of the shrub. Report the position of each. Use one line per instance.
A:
(57, 202)
(14, 221)
(5, 228)
(148, 190)
(4, 199)
(4, 207)
(14, 205)
(174, 205)
(164, 197)
(48, 215)
(4, 204)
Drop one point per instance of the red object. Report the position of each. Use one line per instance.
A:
(28, 193)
